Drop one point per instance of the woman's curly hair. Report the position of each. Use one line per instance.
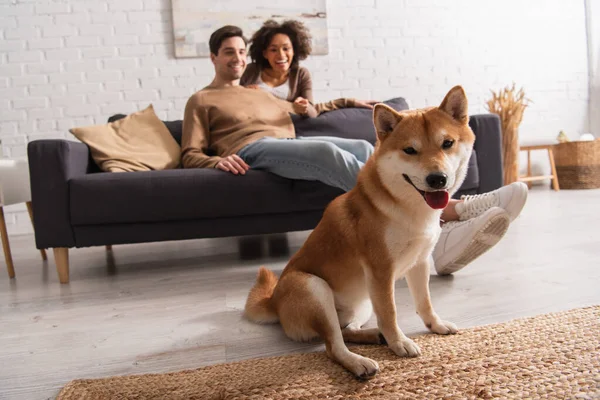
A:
(299, 36)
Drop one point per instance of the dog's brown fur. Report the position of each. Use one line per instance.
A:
(380, 231)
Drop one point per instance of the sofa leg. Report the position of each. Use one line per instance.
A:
(61, 257)
(250, 247)
(278, 245)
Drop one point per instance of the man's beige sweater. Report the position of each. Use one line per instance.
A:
(226, 119)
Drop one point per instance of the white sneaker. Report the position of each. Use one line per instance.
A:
(463, 241)
(511, 198)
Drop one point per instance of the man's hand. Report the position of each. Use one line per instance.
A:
(365, 103)
(301, 106)
(233, 164)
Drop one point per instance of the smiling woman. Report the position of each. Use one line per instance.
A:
(276, 51)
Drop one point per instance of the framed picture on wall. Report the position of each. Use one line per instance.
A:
(195, 20)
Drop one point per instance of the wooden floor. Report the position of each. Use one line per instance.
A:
(170, 306)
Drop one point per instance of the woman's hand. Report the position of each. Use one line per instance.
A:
(252, 87)
(233, 164)
(301, 106)
(365, 103)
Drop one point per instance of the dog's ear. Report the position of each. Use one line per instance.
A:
(385, 119)
(456, 105)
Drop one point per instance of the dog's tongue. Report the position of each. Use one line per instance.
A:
(437, 200)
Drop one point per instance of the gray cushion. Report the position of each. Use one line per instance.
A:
(350, 123)
(181, 194)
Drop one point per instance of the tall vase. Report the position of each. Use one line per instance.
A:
(510, 150)
(509, 105)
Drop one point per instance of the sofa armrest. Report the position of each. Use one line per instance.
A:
(488, 146)
(52, 163)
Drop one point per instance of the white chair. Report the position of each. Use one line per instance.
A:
(14, 189)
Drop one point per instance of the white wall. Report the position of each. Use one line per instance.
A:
(68, 63)
(593, 29)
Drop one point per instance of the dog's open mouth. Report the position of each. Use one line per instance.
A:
(437, 199)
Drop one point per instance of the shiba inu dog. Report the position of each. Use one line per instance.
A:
(382, 230)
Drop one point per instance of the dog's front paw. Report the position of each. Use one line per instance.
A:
(442, 327)
(362, 367)
(405, 348)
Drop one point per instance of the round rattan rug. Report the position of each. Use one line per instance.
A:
(554, 356)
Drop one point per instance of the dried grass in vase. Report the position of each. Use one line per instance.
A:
(509, 104)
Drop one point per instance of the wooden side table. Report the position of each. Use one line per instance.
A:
(529, 178)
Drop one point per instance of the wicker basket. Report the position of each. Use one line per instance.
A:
(578, 164)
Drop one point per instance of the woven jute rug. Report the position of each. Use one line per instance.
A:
(553, 356)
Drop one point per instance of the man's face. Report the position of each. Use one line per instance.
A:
(230, 62)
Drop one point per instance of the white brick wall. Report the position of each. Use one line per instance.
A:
(593, 26)
(67, 63)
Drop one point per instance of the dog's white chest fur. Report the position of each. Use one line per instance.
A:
(408, 245)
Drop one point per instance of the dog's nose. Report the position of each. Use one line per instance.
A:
(437, 180)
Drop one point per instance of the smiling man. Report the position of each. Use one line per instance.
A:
(225, 116)
(247, 128)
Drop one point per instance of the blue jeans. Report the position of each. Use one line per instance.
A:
(331, 160)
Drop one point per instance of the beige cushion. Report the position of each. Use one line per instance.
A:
(138, 142)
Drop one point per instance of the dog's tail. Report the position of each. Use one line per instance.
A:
(259, 307)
